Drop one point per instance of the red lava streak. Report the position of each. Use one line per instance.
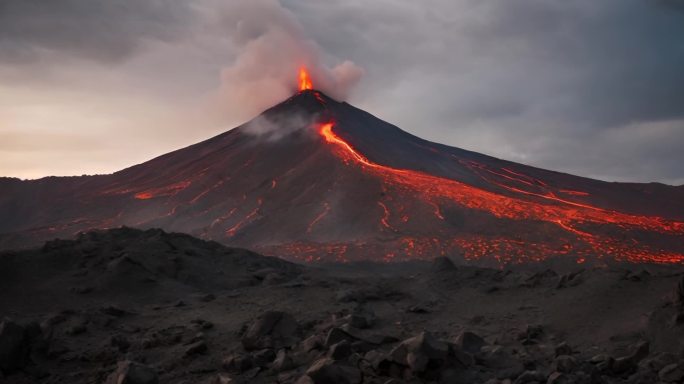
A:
(319, 217)
(163, 191)
(572, 217)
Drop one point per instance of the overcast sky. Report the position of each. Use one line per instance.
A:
(594, 88)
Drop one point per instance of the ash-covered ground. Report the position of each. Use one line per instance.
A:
(129, 306)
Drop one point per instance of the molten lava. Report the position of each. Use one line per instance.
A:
(567, 215)
(304, 80)
(352, 187)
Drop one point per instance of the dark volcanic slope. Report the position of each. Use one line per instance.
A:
(315, 179)
(189, 311)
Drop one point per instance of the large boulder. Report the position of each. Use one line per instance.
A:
(238, 363)
(530, 377)
(470, 342)
(678, 294)
(362, 318)
(421, 353)
(673, 373)
(561, 378)
(502, 361)
(326, 371)
(335, 335)
(282, 361)
(442, 264)
(562, 349)
(564, 364)
(273, 329)
(340, 351)
(129, 372)
(13, 346)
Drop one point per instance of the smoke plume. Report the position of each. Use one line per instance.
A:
(272, 46)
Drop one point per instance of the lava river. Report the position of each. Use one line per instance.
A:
(576, 219)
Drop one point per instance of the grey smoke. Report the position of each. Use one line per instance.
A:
(272, 46)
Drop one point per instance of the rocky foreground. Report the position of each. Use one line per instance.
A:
(127, 306)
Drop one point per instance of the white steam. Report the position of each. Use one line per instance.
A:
(272, 46)
(270, 130)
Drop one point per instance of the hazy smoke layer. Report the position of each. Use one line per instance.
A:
(272, 47)
(273, 130)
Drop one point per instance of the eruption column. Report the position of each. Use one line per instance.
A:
(304, 80)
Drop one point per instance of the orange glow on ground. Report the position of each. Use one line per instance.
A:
(164, 191)
(568, 215)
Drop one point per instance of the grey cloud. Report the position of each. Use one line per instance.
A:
(272, 47)
(102, 30)
(589, 87)
(564, 72)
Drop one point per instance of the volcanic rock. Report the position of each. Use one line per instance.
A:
(202, 324)
(13, 346)
(673, 373)
(264, 357)
(282, 361)
(196, 348)
(442, 264)
(419, 309)
(129, 372)
(273, 329)
(567, 280)
(531, 335)
(157, 334)
(603, 363)
(335, 335)
(421, 352)
(327, 371)
(561, 378)
(77, 329)
(340, 351)
(113, 311)
(470, 342)
(678, 293)
(312, 342)
(562, 349)
(639, 351)
(530, 377)
(120, 342)
(657, 362)
(362, 318)
(238, 363)
(222, 379)
(502, 361)
(642, 275)
(564, 364)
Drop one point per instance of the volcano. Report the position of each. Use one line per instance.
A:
(314, 179)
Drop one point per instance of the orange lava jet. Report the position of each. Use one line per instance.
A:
(304, 80)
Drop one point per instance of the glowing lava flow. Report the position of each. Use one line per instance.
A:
(164, 191)
(561, 213)
(304, 80)
(319, 217)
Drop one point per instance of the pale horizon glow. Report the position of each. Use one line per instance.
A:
(587, 88)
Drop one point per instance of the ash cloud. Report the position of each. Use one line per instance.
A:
(272, 46)
(104, 31)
